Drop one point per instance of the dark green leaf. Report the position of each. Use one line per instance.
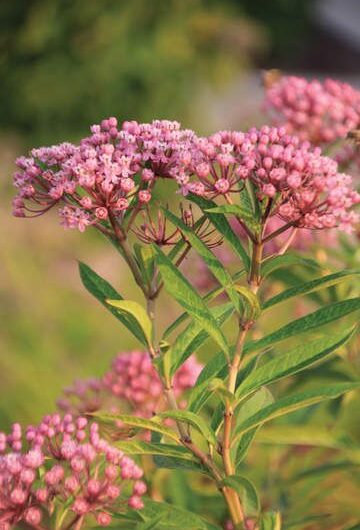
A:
(102, 291)
(138, 447)
(189, 299)
(310, 287)
(239, 211)
(173, 517)
(189, 340)
(138, 423)
(212, 262)
(314, 320)
(207, 298)
(292, 403)
(291, 362)
(192, 419)
(277, 262)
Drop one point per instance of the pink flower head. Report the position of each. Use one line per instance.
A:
(304, 187)
(135, 382)
(213, 167)
(97, 179)
(315, 111)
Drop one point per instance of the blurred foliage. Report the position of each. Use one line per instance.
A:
(67, 63)
(288, 23)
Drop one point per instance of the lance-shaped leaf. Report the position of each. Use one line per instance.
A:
(138, 423)
(178, 286)
(239, 211)
(257, 402)
(247, 491)
(138, 447)
(309, 287)
(192, 337)
(200, 393)
(291, 362)
(272, 264)
(314, 320)
(192, 419)
(292, 403)
(207, 298)
(212, 262)
(102, 291)
(136, 312)
(221, 224)
(173, 517)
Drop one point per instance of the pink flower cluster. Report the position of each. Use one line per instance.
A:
(298, 184)
(100, 179)
(64, 462)
(132, 384)
(113, 170)
(319, 112)
(134, 380)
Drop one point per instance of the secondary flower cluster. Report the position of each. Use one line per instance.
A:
(113, 172)
(319, 112)
(64, 462)
(132, 384)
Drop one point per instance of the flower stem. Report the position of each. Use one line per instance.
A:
(255, 269)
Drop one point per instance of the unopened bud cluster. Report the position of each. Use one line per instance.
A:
(131, 385)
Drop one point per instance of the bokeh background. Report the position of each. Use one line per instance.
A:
(65, 64)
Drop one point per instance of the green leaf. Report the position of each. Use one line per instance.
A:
(261, 399)
(310, 287)
(152, 524)
(145, 259)
(192, 337)
(212, 262)
(102, 291)
(173, 517)
(247, 491)
(270, 521)
(192, 419)
(272, 264)
(292, 403)
(236, 209)
(177, 285)
(137, 312)
(138, 447)
(138, 423)
(182, 464)
(314, 320)
(221, 224)
(200, 393)
(291, 362)
(252, 304)
(207, 298)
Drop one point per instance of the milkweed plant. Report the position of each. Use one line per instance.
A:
(162, 196)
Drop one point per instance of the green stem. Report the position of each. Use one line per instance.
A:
(255, 268)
